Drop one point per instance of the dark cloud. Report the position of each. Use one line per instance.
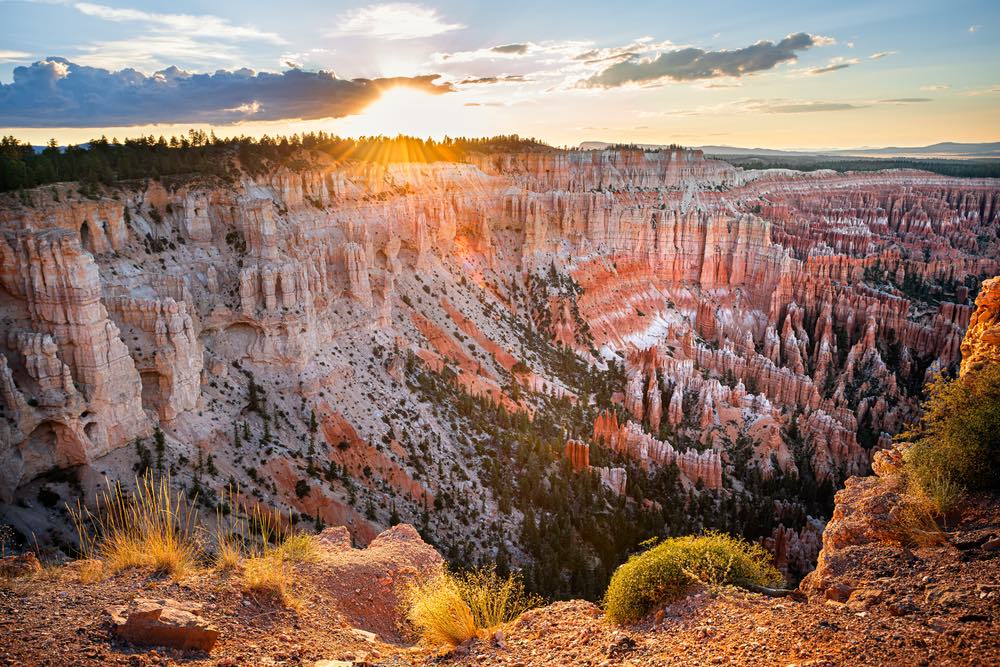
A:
(58, 93)
(511, 78)
(829, 68)
(691, 64)
(808, 107)
(621, 55)
(515, 49)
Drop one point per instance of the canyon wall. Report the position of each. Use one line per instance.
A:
(774, 322)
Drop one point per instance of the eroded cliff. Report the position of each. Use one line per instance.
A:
(360, 342)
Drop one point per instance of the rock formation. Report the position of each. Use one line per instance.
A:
(981, 345)
(870, 511)
(755, 324)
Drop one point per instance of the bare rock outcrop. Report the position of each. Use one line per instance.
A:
(981, 345)
(80, 390)
(163, 622)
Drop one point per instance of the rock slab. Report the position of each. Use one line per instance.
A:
(163, 622)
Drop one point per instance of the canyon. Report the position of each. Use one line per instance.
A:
(363, 343)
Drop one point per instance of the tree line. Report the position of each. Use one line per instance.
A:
(198, 153)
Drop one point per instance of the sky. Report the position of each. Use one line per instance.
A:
(791, 75)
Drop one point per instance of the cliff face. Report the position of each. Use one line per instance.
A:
(71, 388)
(981, 345)
(768, 324)
(869, 511)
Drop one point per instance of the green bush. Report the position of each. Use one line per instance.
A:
(956, 443)
(665, 571)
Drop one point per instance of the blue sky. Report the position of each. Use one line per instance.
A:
(778, 74)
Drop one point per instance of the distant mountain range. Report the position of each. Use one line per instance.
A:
(949, 150)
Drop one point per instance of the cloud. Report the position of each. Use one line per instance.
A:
(690, 64)
(394, 20)
(989, 90)
(936, 87)
(882, 54)
(502, 51)
(803, 107)
(834, 65)
(184, 24)
(154, 51)
(514, 49)
(508, 78)
(12, 56)
(906, 100)
(298, 60)
(60, 93)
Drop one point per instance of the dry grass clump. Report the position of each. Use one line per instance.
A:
(268, 579)
(916, 519)
(264, 547)
(152, 527)
(90, 571)
(493, 599)
(449, 608)
(665, 571)
(439, 613)
(156, 527)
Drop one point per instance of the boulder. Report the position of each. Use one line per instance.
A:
(24, 565)
(163, 622)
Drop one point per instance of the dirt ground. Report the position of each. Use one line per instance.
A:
(927, 606)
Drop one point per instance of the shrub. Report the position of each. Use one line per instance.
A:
(956, 443)
(451, 608)
(153, 527)
(665, 571)
(439, 613)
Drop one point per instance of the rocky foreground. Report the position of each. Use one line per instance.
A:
(924, 606)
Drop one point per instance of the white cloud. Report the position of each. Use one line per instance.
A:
(12, 56)
(692, 64)
(562, 50)
(298, 60)
(155, 51)
(394, 20)
(882, 54)
(990, 90)
(186, 25)
(935, 87)
(833, 65)
(247, 108)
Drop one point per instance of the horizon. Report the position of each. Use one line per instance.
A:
(785, 76)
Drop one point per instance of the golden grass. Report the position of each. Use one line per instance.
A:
(297, 548)
(495, 600)
(152, 527)
(439, 613)
(260, 542)
(916, 516)
(90, 571)
(268, 579)
(449, 609)
(228, 551)
(156, 527)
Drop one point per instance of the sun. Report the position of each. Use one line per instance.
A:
(412, 112)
